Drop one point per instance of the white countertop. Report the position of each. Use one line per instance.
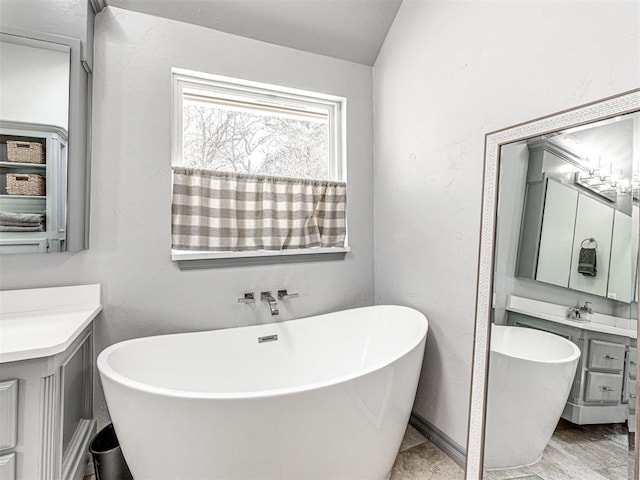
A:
(42, 322)
(623, 327)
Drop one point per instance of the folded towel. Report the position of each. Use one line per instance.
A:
(21, 224)
(36, 228)
(30, 218)
(587, 261)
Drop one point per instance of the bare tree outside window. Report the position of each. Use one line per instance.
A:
(224, 139)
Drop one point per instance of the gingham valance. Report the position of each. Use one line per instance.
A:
(220, 211)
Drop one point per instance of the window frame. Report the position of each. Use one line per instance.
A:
(267, 94)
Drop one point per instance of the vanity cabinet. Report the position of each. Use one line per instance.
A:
(8, 427)
(604, 372)
(630, 392)
(46, 381)
(53, 201)
(603, 385)
(46, 414)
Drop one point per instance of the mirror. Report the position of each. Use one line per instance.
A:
(576, 179)
(46, 31)
(34, 118)
(554, 385)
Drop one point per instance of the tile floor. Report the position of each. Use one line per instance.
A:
(418, 459)
(574, 453)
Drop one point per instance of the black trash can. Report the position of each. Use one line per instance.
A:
(108, 461)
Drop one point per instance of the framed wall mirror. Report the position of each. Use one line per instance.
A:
(554, 388)
(44, 108)
(34, 122)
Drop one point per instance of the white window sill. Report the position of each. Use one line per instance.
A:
(187, 259)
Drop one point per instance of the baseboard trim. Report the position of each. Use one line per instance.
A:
(439, 439)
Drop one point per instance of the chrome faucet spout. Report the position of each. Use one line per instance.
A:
(586, 308)
(273, 305)
(573, 313)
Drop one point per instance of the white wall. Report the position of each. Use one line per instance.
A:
(448, 73)
(35, 85)
(144, 292)
(69, 18)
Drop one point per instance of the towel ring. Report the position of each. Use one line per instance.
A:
(588, 242)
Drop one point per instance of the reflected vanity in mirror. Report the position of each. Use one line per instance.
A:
(554, 386)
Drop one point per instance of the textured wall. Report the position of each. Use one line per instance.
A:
(448, 73)
(61, 17)
(144, 292)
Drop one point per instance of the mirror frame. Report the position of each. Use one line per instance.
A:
(625, 103)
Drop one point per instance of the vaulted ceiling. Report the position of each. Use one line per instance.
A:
(352, 30)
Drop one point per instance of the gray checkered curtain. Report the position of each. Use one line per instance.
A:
(220, 211)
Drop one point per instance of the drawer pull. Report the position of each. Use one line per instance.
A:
(632, 362)
(607, 389)
(633, 395)
(609, 357)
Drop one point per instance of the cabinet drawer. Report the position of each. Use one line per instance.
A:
(8, 414)
(8, 467)
(633, 362)
(632, 396)
(603, 387)
(606, 355)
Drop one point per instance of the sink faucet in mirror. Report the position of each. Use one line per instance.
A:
(573, 313)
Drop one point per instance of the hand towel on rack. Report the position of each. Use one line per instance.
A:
(587, 257)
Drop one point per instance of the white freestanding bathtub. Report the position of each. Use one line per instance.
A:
(530, 377)
(329, 399)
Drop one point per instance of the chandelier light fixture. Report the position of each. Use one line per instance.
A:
(605, 181)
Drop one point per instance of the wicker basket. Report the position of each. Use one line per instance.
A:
(26, 184)
(25, 152)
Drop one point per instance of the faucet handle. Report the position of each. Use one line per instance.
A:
(282, 295)
(247, 299)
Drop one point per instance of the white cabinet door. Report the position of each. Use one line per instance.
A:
(556, 239)
(593, 220)
(621, 270)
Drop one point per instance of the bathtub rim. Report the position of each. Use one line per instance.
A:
(575, 355)
(104, 369)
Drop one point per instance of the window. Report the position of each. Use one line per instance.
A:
(256, 168)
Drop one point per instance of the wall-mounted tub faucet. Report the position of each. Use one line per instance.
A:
(273, 306)
(247, 299)
(282, 295)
